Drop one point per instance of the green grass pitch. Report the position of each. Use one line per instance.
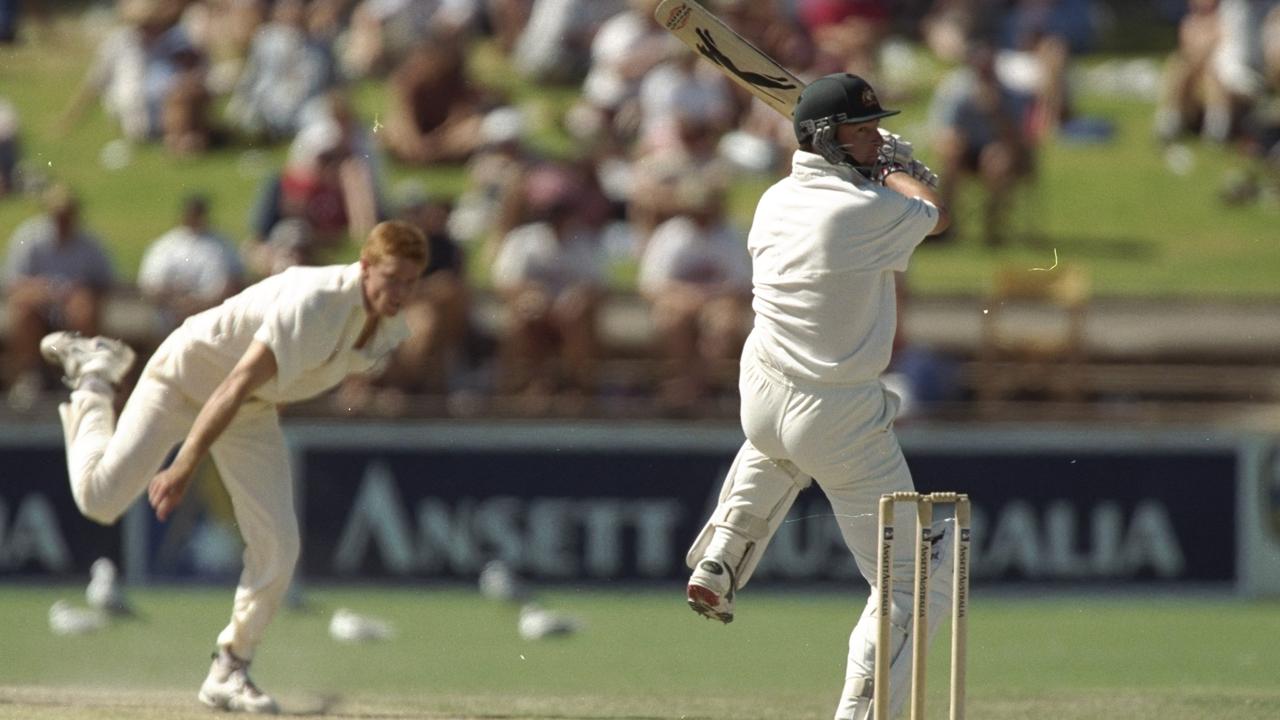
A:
(642, 654)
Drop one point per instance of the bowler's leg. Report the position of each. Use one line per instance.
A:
(109, 465)
(253, 461)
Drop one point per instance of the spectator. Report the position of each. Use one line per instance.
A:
(949, 26)
(696, 276)
(1188, 88)
(692, 155)
(1239, 59)
(330, 198)
(550, 277)
(495, 178)
(1041, 36)
(150, 78)
(681, 91)
(383, 32)
(190, 268)
(627, 46)
(364, 163)
(555, 43)
(56, 278)
(10, 148)
(224, 31)
(980, 131)
(434, 114)
(286, 67)
(847, 34)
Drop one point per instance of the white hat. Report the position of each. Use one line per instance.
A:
(503, 125)
(312, 141)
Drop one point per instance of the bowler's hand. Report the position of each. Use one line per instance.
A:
(166, 490)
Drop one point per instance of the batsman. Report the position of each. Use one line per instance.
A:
(825, 244)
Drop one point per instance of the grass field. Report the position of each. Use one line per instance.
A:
(1113, 208)
(643, 655)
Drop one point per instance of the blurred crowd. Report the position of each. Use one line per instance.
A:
(658, 138)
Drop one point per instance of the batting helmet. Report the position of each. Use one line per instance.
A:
(836, 99)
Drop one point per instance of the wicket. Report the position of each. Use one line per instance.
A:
(920, 600)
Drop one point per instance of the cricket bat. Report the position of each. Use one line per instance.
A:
(743, 62)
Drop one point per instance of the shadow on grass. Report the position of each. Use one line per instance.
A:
(1102, 248)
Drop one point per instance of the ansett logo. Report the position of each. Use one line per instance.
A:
(678, 17)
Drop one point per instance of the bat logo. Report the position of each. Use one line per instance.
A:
(712, 52)
(678, 17)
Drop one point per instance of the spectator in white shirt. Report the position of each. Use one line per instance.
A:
(550, 276)
(190, 268)
(696, 276)
(55, 278)
(286, 67)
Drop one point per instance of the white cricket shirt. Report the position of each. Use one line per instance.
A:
(310, 317)
(824, 246)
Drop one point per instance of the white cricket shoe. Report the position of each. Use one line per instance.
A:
(711, 590)
(228, 687)
(79, 356)
(104, 591)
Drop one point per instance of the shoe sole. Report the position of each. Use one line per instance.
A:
(54, 356)
(706, 603)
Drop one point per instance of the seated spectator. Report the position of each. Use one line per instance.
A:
(1039, 39)
(286, 67)
(696, 276)
(627, 46)
(1239, 73)
(365, 162)
(10, 148)
(495, 177)
(847, 34)
(150, 78)
(56, 278)
(383, 32)
(980, 127)
(554, 44)
(949, 24)
(435, 113)
(438, 315)
(679, 92)
(550, 277)
(330, 198)
(190, 268)
(1187, 85)
(692, 154)
(224, 30)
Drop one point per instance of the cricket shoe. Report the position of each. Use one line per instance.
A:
(711, 590)
(228, 687)
(79, 356)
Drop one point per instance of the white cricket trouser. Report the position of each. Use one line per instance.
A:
(842, 437)
(111, 464)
